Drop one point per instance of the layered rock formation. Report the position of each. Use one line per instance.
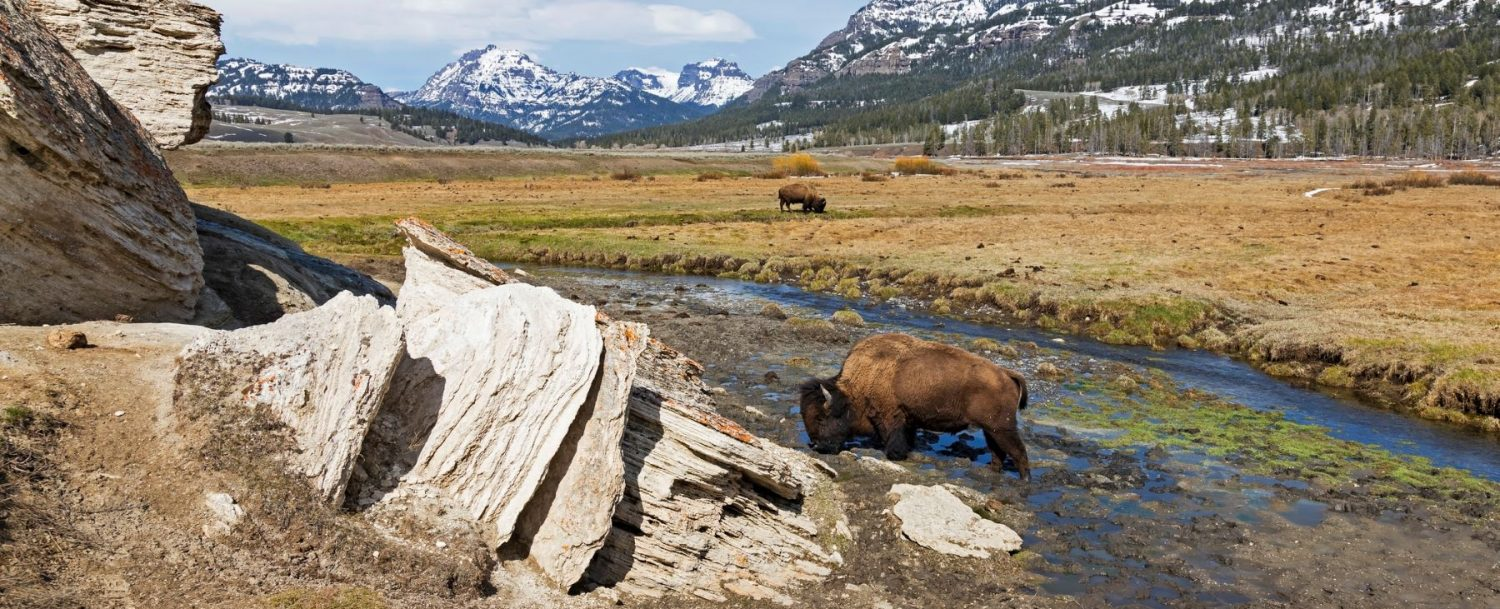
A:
(92, 223)
(533, 426)
(156, 57)
(323, 373)
(262, 276)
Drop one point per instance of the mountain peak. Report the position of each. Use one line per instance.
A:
(508, 86)
(321, 88)
(709, 83)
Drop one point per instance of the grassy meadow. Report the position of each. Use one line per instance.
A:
(1389, 284)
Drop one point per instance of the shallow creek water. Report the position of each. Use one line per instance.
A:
(1129, 526)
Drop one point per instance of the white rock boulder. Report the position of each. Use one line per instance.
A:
(158, 58)
(92, 223)
(934, 518)
(568, 521)
(515, 364)
(323, 373)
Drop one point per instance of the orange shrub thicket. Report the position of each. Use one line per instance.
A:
(921, 165)
(801, 164)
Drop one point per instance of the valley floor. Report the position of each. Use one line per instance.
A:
(1283, 262)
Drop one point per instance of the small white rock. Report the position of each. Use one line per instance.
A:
(441, 544)
(119, 413)
(934, 518)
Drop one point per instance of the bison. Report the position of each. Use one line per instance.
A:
(807, 196)
(892, 385)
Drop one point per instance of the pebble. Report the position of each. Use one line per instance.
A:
(441, 544)
(119, 413)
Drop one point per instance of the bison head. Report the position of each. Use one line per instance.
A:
(826, 413)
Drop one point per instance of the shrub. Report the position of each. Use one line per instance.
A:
(711, 176)
(626, 175)
(921, 165)
(984, 344)
(1417, 179)
(771, 175)
(800, 164)
(848, 317)
(1065, 185)
(815, 329)
(874, 177)
(317, 186)
(773, 311)
(1473, 178)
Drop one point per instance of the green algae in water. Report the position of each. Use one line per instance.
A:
(1259, 442)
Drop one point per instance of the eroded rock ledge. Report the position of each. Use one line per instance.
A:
(157, 58)
(560, 439)
(92, 223)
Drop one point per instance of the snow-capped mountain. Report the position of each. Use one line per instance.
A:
(248, 80)
(897, 36)
(712, 83)
(509, 87)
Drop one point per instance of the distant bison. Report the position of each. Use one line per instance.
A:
(893, 385)
(807, 196)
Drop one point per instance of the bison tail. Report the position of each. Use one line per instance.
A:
(1021, 386)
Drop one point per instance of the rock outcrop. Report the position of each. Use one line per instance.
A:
(709, 508)
(158, 58)
(568, 522)
(92, 222)
(515, 364)
(936, 519)
(262, 276)
(527, 424)
(323, 373)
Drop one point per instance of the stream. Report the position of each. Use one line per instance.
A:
(1132, 526)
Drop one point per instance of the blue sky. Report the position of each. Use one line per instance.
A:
(397, 44)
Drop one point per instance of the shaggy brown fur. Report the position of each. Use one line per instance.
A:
(893, 385)
(807, 196)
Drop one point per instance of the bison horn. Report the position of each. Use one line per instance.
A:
(827, 397)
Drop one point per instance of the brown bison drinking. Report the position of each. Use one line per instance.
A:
(893, 385)
(807, 196)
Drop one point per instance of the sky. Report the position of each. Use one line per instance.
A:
(397, 44)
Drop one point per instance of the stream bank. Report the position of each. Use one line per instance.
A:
(1205, 484)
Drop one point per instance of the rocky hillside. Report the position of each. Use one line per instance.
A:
(318, 88)
(1200, 77)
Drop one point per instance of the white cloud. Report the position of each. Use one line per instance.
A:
(527, 22)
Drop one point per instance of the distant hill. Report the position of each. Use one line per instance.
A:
(320, 88)
(1269, 77)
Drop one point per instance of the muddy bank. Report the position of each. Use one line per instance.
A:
(1120, 514)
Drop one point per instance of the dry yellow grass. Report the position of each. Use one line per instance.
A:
(1303, 279)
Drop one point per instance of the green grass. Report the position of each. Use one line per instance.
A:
(848, 317)
(17, 417)
(1260, 442)
(340, 598)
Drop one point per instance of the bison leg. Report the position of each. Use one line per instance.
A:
(1007, 443)
(896, 437)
